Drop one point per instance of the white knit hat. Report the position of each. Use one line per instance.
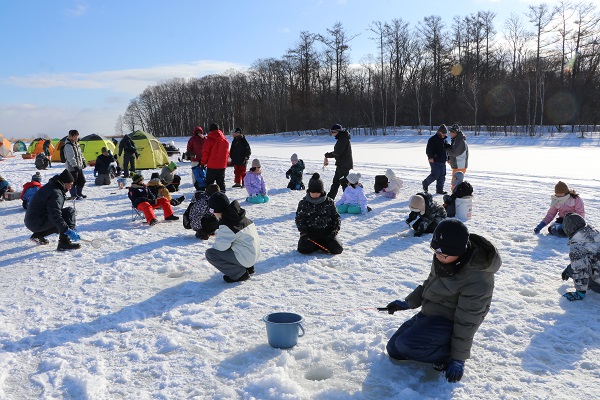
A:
(353, 177)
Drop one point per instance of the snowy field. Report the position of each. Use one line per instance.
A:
(146, 317)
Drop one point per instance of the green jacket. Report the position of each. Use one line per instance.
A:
(464, 298)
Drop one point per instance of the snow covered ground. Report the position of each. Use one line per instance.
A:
(146, 317)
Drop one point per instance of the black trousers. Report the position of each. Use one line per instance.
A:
(216, 176)
(340, 172)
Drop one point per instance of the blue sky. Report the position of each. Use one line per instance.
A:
(70, 64)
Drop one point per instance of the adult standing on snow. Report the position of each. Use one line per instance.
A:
(45, 214)
(240, 154)
(194, 148)
(454, 300)
(127, 147)
(458, 152)
(342, 152)
(437, 157)
(75, 164)
(214, 156)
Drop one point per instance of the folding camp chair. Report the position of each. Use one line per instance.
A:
(137, 214)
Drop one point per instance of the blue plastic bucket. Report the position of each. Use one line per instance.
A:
(283, 329)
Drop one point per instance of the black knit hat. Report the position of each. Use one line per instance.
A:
(237, 130)
(155, 175)
(137, 178)
(443, 129)
(213, 127)
(315, 184)
(451, 237)
(66, 177)
(212, 189)
(218, 202)
(336, 127)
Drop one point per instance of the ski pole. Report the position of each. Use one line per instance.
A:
(318, 245)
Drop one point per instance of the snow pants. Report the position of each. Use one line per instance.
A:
(226, 262)
(239, 172)
(305, 246)
(148, 209)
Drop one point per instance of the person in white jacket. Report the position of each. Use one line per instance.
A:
(353, 199)
(237, 245)
(75, 163)
(394, 185)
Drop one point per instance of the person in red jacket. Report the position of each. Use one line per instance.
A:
(195, 146)
(214, 156)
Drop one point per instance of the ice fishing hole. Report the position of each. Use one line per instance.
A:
(318, 373)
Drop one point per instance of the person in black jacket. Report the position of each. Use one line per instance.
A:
(240, 154)
(426, 213)
(45, 214)
(102, 168)
(437, 157)
(145, 201)
(342, 152)
(127, 146)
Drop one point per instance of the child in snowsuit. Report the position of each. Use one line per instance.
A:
(353, 200)
(237, 245)
(394, 185)
(31, 188)
(317, 220)
(295, 173)
(198, 215)
(159, 190)
(427, 213)
(563, 201)
(461, 189)
(169, 178)
(584, 252)
(5, 187)
(255, 184)
(144, 200)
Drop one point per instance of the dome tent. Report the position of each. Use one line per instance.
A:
(91, 146)
(57, 145)
(37, 146)
(151, 153)
(19, 145)
(5, 147)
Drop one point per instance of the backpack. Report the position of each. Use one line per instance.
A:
(200, 176)
(62, 154)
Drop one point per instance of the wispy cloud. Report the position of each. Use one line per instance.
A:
(78, 9)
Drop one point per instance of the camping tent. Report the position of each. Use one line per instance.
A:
(5, 147)
(152, 153)
(19, 145)
(91, 146)
(56, 155)
(35, 147)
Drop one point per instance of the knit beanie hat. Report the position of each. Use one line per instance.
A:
(336, 127)
(198, 129)
(294, 157)
(561, 187)
(212, 189)
(137, 178)
(455, 128)
(353, 178)
(417, 204)
(213, 127)
(389, 174)
(172, 166)
(457, 178)
(155, 175)
(66, 177)
(572, 222)
(315, 184)
(256, 163)
(37, 177)
(218, 202)
(451, 237)
(443, 129)
(238, 130)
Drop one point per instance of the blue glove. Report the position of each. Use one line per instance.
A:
(74, 236)
(455, 370)
(573, 296)
(538, 228)
(397, 305)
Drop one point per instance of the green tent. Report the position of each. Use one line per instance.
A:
(152, 154)
(91, 146)
(19, 145)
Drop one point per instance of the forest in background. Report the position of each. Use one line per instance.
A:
(540, 68)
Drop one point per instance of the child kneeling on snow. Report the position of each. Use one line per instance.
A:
(295, 173)
(145, 201)
(31, 188)
(393, 186)
(353, 200)
(461, 189)
(584, 252)
(237, 245)
(563, 201)
(427, 213)
(198, 215)
(255, 184)
(317, 220)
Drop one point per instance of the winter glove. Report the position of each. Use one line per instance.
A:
(567, 273)
(95, 174)
(398, 305)
(455, 370)
(74, 236)
(572, 296)
(538, 228)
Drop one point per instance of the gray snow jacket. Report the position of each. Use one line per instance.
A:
(73, 158)
(45, 208)
(458, 151)
(584, 253)
(465, 297)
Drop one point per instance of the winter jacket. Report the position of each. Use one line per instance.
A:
(103, 164)
(4, 186)
(238, 233)
(140, 193)
(584, 253)
(127, 145)
(27, 194)
(73, 158)
(195, 146)
(458, 151)
(240, 151)
(158, 189)
(44, 211)
(255, 183)
(295, 174)
(41, 161)
(436, 149)
(166, 175)
(465, 297)
(318, 217)
(394, 183)
(198, 209)
(573, 205)
(354, 196)
(342, 151)
(427, 222)
(215, 151)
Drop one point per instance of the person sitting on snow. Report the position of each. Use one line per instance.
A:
(255, 184)
(426, 213)
(31, 188)
(461, 189)
(563, 201)
(42, 161)
(353, 200)
(198, 215)
(394, 184)
(144, 200)
(169, 178)
(104, 163)
(295, 173)
(584, 252)
(157, 188)
(5, 187)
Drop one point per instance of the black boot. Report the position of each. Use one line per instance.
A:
(64, 243)
(425, 188)
(244, 277)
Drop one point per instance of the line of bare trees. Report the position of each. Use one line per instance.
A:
(542, 68)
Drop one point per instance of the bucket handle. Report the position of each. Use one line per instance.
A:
(302, 329)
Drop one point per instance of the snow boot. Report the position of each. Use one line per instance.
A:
(172, 217)
(39, 239)
(244, 277)
(64, 243)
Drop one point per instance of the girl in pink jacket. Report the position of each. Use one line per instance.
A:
(255, 184)
(563, 201)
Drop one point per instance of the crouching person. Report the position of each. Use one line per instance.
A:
(145, 201)
(454, 300)
(426, 213)
(45, 214)
(318, 220)
(198, 215)
(237, 245)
